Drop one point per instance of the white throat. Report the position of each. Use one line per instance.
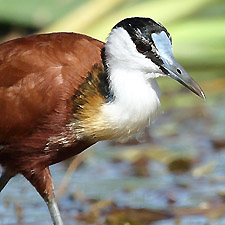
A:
(136, 92)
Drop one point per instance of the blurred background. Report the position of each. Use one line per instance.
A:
(172, 173)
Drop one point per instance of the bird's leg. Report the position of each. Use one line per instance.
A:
(54, 211)
(42, 181)
(4, 179)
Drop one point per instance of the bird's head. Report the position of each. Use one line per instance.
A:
(145, 45)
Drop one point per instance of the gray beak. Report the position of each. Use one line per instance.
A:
(172, 67)
(177, 72)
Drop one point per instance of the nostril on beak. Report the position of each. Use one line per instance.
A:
(179, 71)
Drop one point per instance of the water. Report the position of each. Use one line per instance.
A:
(109, 173)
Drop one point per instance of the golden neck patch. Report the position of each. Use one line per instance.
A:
(87, 102)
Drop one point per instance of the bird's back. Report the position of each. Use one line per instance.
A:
(38, 77)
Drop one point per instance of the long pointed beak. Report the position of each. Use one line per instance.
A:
(172, 67)
(178, 73)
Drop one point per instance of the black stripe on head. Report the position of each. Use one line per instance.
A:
(140, 30)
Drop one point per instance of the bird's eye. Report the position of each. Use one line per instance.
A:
(141, 47)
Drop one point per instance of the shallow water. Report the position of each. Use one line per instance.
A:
(111, 172)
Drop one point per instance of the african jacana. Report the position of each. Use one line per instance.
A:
(62, 92)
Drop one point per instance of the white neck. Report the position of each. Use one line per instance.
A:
(136, 92)
(135, 104)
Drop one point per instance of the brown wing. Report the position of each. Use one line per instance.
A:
(37, 74)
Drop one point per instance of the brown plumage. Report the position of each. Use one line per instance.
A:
(39, 75)
(61, 93)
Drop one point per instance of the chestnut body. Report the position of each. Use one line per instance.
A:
(62, 92)
(38, 77)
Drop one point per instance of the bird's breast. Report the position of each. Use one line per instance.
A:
(126, 114)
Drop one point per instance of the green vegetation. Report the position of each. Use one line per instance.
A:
(197, 28)
(187, 139)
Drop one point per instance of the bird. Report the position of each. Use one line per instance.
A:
(62, 92)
